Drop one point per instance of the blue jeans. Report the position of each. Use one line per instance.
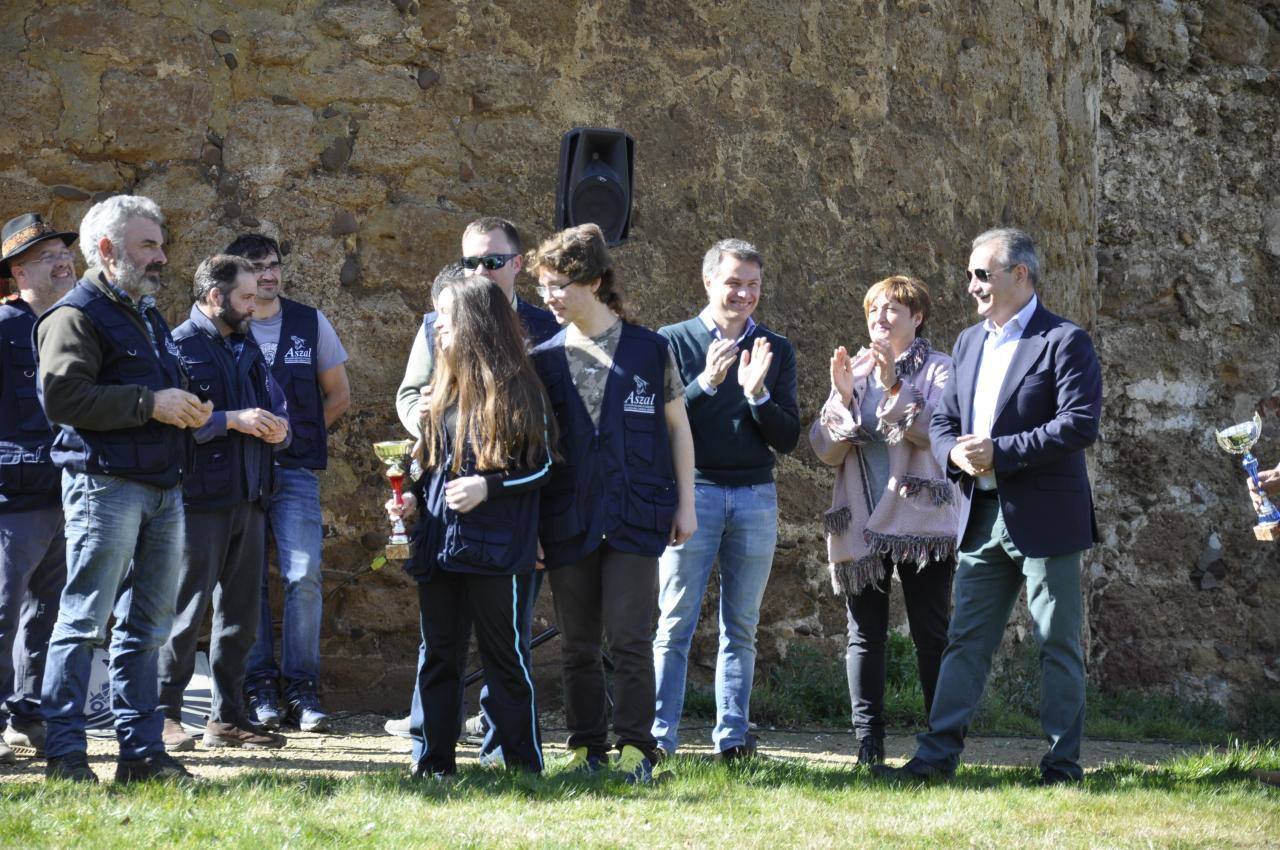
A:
(33, 569)
(294, 519)
(989, 576)
(124, 551)
(740, 524)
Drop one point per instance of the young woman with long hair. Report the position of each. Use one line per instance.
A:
(623, 492)
(486, 448)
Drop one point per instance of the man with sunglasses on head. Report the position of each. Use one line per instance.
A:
(1012, 428)
(491, 248)
(307, 361)
(33, 550)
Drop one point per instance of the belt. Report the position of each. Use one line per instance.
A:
(992, 494)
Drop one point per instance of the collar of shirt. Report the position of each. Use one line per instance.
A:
(1013, 328)
(710, 324)
(515, 301)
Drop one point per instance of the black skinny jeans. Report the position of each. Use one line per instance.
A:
(927, 594)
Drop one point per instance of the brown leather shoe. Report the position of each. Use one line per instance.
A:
(176, 738)
(219, 734)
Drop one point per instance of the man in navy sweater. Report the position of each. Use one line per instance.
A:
(739, 417)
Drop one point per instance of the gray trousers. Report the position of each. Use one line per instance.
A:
(613, 595)
(33, 569)
(225, 556)
(989, 575)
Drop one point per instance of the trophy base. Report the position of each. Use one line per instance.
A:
(1269, 531)
(397, 551)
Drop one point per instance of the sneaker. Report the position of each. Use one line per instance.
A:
(399, 726)
(73, 767)
(582, 761)
(635, 767)
(915, 770)
(870, 751)
(474, 730)
(219, 734)
(7, 755)
(493, 759)
(176, 738)
(305, 710)
(25, 736)
(159, 767)
(263, 701)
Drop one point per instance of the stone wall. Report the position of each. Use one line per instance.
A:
(849, 140)
(1189, 263)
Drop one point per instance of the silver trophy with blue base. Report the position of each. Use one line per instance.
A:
(1239, 440)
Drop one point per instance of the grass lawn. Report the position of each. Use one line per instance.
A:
(1193, 801)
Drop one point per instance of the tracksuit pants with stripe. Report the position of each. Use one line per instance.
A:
(500, 608)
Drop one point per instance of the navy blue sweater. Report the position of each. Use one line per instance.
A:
(733, 441)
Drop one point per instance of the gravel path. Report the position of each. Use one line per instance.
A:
(357, 744)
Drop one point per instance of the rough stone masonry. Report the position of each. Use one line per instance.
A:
(851, 141)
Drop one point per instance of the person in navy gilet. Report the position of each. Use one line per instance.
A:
(491, 248)
(112, 384)
(476, 545)
(226, 494)
(308, 362)
(33, 553)
(623, 493)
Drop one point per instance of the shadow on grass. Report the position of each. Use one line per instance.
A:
(694, 780)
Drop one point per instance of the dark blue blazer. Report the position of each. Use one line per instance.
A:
(1047, 414)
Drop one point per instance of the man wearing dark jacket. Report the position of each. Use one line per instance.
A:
(225, 496)
(33, 552)
(738, 421)
(110, 380)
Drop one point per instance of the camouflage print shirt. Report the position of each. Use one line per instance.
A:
(590, 359)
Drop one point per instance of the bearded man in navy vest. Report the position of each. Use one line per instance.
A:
(226, 494)
(740, 391)
(111, 381)
(308, 361)
(491, 248)
(33, 551)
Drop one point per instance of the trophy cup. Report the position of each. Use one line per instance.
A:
(395, 454)
(1238, 440)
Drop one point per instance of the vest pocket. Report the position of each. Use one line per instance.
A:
(23, 474)
(559, 508)
(121, 456)
(639, 440)
(651, 502)
(30, 413)
(211, 475)
(477, 545)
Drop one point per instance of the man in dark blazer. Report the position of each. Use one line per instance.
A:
(1012, 429)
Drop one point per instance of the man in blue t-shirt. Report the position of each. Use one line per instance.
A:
(308, 361)
(740, 392)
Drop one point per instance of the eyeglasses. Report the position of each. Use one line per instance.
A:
(984, 275)
(492, 262)
(545, 292)
(50, 259)
(263, 268)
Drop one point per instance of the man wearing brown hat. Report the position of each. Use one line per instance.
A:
(33, 563)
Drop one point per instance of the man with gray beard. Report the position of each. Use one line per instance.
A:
(111, 383)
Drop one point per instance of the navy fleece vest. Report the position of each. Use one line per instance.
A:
(28, 478)
(219, 477)
(617, 480)
(152, 453)
(294, 370)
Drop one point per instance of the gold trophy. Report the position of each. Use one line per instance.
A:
(395, 454)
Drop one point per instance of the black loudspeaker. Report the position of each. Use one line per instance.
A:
(595, 181)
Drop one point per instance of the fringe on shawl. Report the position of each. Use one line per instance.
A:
(837, 520)
(940, 491)
(852, 577)
(909, 547)
(911, 361)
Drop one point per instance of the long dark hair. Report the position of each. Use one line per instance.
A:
(503, 412)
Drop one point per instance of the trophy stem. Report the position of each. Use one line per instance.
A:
(1267, 512)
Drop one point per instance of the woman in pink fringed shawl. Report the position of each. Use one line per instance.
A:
(892, 506)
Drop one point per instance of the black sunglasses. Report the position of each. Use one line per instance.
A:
(983, 275)
(492, 262)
